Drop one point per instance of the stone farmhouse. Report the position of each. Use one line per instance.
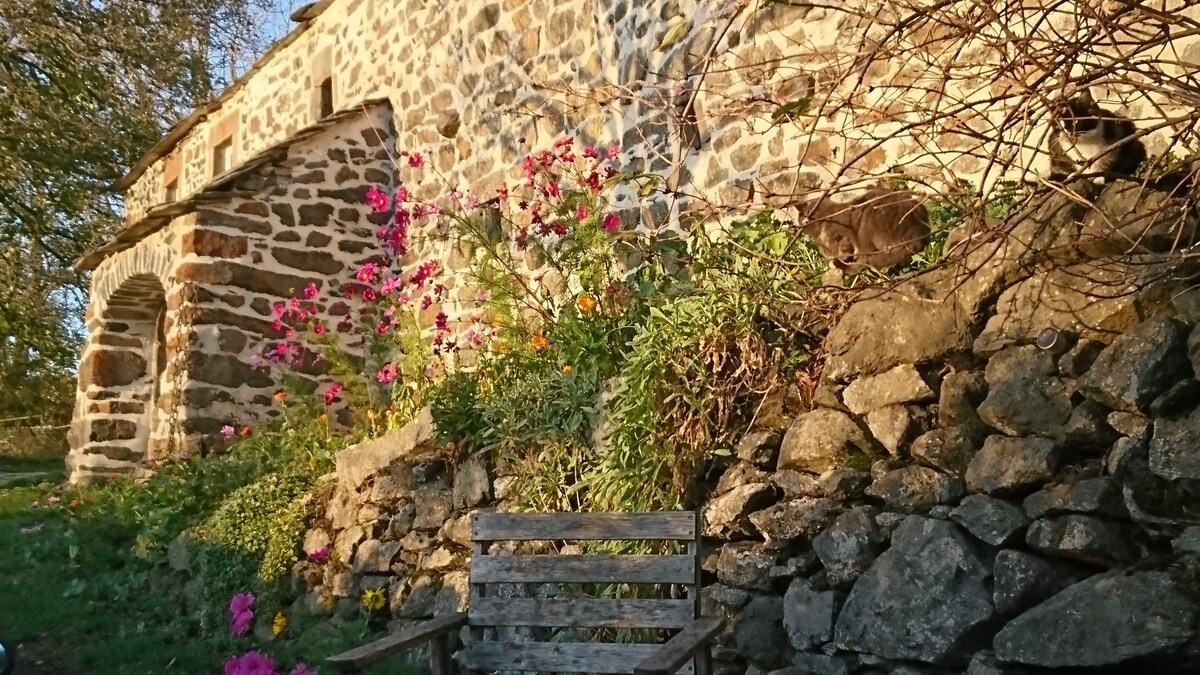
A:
(261, 191)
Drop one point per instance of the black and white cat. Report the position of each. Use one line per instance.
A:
(1084, 137)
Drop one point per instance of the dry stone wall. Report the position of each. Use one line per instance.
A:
(993, 508)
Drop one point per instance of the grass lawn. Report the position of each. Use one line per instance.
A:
(78, 595)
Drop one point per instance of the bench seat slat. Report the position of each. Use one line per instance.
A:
(557, 657)
(581, 613)
(583, 526)
(584, 569)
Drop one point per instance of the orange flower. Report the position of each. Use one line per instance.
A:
(280, 395)
(567, 369)
(540, 342)
(586, 302)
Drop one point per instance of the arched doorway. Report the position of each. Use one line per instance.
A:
(123, 380)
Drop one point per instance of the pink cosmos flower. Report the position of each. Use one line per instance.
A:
(613, 152)
(240, 623)
(386, 374)
(332, 392)
(250, 663)
(302, 669)
(228, 431)
(416, 160)
(53, 500)
(581, 213)
(241, 602)
(319, 554)
(241, 614)
(310, 291)
(377, 199)
(611, 222)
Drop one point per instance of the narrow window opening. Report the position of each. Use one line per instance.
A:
(172, 191)
(326, 104)
(222, 156)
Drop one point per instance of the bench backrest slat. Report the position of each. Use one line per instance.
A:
(583, 569)
(680, 526)
(556, 657)
(581, 613)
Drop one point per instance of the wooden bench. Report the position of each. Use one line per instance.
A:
(486, 610)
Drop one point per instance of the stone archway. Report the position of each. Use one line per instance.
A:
(122, 379)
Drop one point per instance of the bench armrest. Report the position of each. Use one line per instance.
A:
(678, 650)
(361, 657)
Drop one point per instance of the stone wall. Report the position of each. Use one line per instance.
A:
(688, 89)
(219, 271)
(474, 85)
(958, 498)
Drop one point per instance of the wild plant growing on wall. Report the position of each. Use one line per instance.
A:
(563, 298)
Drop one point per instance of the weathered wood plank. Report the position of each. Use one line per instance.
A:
(582, 613)
(556, 657)
(361, 657)
(583, 569)
(677, 525)
(681, 648)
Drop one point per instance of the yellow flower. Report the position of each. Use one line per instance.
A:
(373, 599)
(540, 342)
(586, 302)
(501, 346)
(324, 418)
(567, 368)
(279, 624)
(328, 602)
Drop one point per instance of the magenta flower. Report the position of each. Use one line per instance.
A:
(377, 199)
(416, 160)
(240, 623)
(310, 291)
(228, 431)
(319, 554)
(386, 374)
(250, 663)
(302, 669)
(332, 392)
(611, 222)
(613, 152)
(241, 602)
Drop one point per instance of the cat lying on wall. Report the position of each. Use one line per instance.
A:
(877, 228)
(1087, 138)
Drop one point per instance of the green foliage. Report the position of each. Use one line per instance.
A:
(265, 519)
(88, 87)
(94, 572)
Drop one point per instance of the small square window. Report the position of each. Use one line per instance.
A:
(222, 157)
(172, 191)
(326, 94)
